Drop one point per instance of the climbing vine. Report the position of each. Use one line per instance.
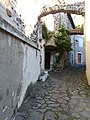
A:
(46, 34)
(63, 42)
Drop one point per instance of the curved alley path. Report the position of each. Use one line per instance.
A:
(63, 96)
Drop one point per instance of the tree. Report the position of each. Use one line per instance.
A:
(63, 42)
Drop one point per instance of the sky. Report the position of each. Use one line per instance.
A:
(73, 1)
(78, 19)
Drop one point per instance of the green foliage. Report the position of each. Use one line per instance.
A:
(57, 66)
(46, 34)
(80, 26)
(63, 42)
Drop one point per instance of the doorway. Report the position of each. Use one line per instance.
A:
(47, 60)
(79, 58)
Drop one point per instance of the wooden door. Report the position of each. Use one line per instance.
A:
(79, 58)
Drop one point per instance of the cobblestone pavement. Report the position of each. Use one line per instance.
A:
(63, 96)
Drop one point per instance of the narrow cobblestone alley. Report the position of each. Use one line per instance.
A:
(63, 96)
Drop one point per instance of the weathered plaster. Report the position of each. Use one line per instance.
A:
(11, 59)
(19, 66)
(31, 69)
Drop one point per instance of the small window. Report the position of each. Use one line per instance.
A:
(76, 40)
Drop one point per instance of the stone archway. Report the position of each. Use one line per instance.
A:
(76, 8)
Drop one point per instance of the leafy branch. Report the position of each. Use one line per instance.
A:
(46, 34)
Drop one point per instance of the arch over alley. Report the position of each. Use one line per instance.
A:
(75, 8)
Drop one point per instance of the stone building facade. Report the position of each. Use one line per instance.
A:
(78, 50)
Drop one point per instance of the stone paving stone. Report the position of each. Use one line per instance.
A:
(35, 116)
(43, 105)
(41, 110)
(76, 115)
(54, 105)
(55, 96)
(39, 98)
(65, 107)
(53, 100)
(50, 102)
(74, 102)
(62, 101)
(63, 96)
(77, 109)
(63, 116)
(56, 109)
(49, 116)
(19, 118)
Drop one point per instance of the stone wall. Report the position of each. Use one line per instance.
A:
(19, 67)
(22, 15)
(61, 19)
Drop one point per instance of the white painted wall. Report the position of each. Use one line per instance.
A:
(31, 69)
(87, 39)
